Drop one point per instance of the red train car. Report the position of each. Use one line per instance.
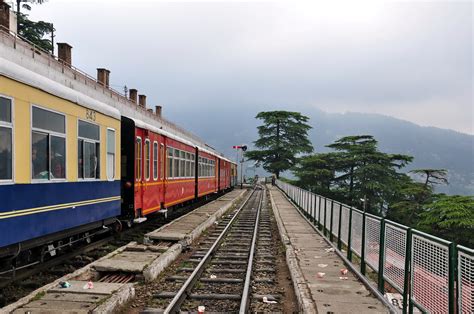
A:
(207, 173)
(161, 170)
(224, 174)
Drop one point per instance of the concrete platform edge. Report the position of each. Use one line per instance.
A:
(120, 297)
(305, 303)
(164, 260)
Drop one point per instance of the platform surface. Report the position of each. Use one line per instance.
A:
(329, 292)
(180, 228)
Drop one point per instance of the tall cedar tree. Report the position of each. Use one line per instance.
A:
(283, 136)
(356, 170)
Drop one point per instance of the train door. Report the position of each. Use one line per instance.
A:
(139, 173)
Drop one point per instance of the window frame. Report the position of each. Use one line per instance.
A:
(49, 133)
(170, 171)
(138, 174)
(155, 167)
(91, 141)
(147, 169)
(10, 125)
(106, 152)
(162, 154)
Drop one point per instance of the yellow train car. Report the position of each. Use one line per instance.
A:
(59, 160)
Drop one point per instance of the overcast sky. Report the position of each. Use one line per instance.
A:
(407, 59)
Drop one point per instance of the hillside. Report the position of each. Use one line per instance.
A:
(431, 147)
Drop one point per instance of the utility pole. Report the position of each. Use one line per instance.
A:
(242, 169)
(18, 2)
(125, 91)
(52, 39)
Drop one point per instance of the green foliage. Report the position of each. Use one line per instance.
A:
(35, 32)
(450, 217)
(356, 169)
(283, 136)
(361, 172)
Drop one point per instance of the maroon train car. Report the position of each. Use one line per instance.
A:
(161, 170)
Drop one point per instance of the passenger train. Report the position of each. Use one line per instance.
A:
(77, 157)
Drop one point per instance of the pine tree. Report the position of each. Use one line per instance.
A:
(283, 136)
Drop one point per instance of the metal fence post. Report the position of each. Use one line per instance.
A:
(380, 280)
(349, 237)
(319, 214)
(362, 249)
(325, 213)
(407, 304)
(339, 241)
(330, 222)
(452, 276)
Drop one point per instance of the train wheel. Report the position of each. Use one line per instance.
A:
(117, 226)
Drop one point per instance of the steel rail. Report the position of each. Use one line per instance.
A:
(185, 290)
(244, 303)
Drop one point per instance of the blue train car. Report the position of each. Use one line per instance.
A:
(59, 161)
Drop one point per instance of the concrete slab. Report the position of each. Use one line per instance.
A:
(127, 261)
(29, 310)
(73, 297)
(63, 305)
(307, 255)
(180, 228)
(102, 288)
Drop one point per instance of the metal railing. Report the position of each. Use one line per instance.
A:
(431, 274)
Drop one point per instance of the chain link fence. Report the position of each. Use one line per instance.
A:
(432, 274)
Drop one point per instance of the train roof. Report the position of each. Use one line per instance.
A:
(147, 126)
(23, 75)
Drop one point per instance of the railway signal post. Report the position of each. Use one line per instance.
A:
(243, 148)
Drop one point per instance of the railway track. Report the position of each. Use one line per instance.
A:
(230, 268)
(20, 281)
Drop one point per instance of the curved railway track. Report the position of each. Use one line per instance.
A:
(222, 270)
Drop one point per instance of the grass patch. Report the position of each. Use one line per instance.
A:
(38, 296)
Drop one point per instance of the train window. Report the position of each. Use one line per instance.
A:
(110, 154)
(6, 140)
(176, 164)
(48, 145)
(5, 110)
(138, 154)
(169, 172)
(147, 159)
(193, 163)
(200, 167)
(188, 164)
(162, 161)
(182, 164)
(155, 161)
(48, 120)
(89, 150)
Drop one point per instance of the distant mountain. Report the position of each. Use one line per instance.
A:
(431, 147)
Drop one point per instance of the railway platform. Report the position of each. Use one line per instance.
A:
(322, 282)
(104, 285)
